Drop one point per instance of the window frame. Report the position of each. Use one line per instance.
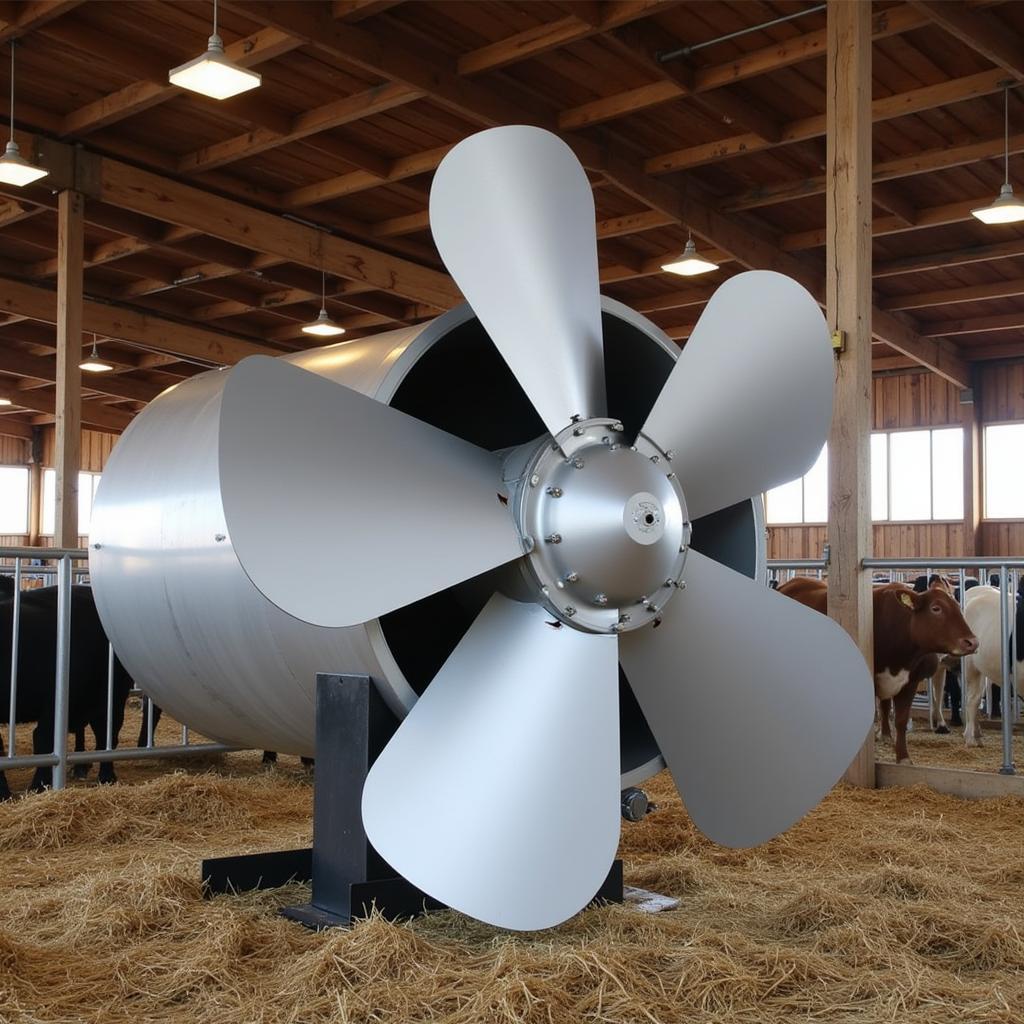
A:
(984, 517)
(930, 430)
(28, 500)
(803, 500)
(93, 475)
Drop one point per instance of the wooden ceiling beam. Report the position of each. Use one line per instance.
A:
(978, 30)
(381, 54)
(133, 326)
(975, 325)
(95, 414)
(950, 296)
(13, 361)
(586, 19)
(925, 162)
(921, 262)
(774, 57)
(142, 95)
(927, 217)
(339, 112)
(15, 426)
(32, 15)
(914, 101)
(891, 199)
(189, 207)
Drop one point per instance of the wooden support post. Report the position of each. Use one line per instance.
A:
(68, 407)
(848, 301)
(972, 476)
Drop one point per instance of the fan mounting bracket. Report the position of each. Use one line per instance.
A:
(603, 524)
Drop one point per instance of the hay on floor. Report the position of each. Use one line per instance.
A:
(889, 906)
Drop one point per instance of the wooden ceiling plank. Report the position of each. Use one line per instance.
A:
(24, 365)
(949, 296)
(773, 57)
(941, 158)
(921, 262)
(161, 198)
(94, 413)
(32, 15)
(133, 326)
(331, 115)
(381, 54)
(13, 426)
(890, 198)
(914, 101)
(978, 30)
(975, 325)
(258, 48)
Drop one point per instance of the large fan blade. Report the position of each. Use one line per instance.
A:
(512, 214)
(748, 404)
(757, 703)
(499, 793)
(340, 508)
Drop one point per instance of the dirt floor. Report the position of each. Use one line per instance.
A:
(895, 906)
(949, 751)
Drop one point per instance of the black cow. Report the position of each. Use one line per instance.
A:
(37, 652)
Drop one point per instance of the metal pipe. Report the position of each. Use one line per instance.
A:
(149, 722)
(1005, 661)
(924, 563)
(12, 738)
(684, 51)
(110, 696)
(121, 754)
(63, 667)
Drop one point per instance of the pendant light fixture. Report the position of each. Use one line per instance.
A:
(1006, 208)
(94, 364)
(689, 264)
(323, 326)
(14, 168)
(212, 73)
(5, 401)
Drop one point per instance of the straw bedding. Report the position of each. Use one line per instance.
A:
(895, 906)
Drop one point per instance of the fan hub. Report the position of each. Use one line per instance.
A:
(604, 525)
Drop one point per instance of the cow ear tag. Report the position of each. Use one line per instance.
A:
(907, 599)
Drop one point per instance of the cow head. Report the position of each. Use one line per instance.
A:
(936, 623)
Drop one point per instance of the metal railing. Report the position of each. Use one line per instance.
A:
(1009, 571)
(64, 570)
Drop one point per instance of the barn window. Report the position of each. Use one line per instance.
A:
(1004, 485)
(13, 499)
(87, 484)
(804, 500)
(917, 475)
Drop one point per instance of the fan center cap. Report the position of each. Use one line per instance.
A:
(605, 527)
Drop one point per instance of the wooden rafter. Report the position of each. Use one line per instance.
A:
(979, 30)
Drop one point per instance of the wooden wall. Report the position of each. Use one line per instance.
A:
(908, 400)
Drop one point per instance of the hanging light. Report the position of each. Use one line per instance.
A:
(689, 264)
(14, 168)
(5, 401)
(1006, 208)
(94, 364)
(323, 326)
(212, 73)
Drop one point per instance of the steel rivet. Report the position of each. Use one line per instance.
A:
(670, 476)
(670, 582)
(632, 447)
(578, 432)
(617, 627)
(577, 463)
(534, 480)
(96, 547)
(219, 537)
(618, 427)
(624, 617)
(575, 418)
(553, 538)
(655, 458)
(560, 584)
(570, 611)
(555, 492)
(670, 454)
(572, 577)
(643, 599)
(600, 599)
(681, 584)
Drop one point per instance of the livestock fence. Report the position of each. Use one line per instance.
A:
(31, 565)
(959, 570)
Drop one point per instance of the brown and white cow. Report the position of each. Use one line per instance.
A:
(910, 631)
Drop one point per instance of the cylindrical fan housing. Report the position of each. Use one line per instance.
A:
(197, 635)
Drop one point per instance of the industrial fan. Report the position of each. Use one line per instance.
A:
(757, 704)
